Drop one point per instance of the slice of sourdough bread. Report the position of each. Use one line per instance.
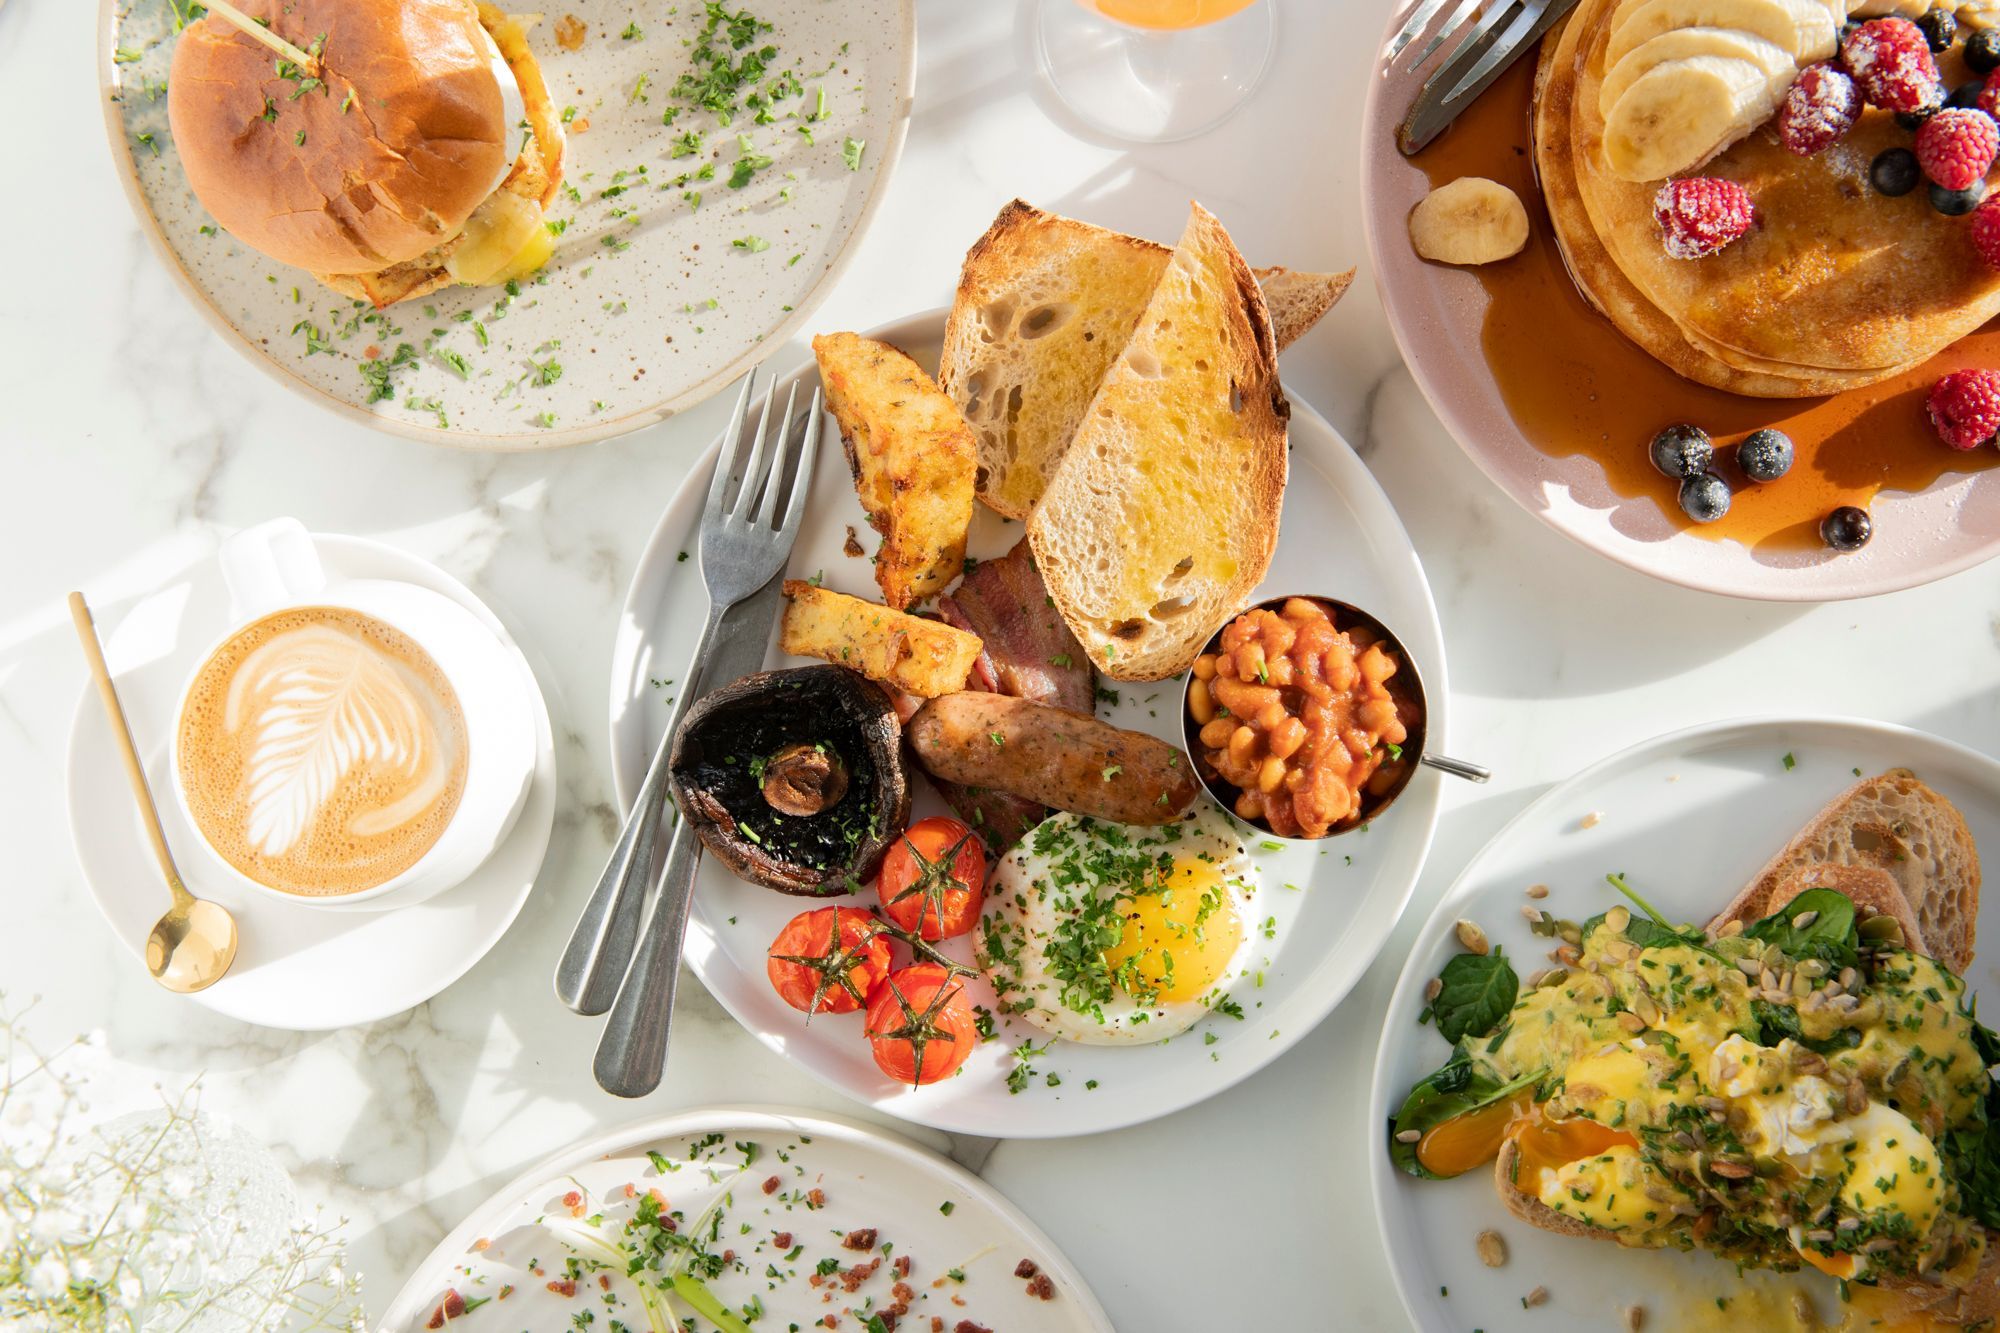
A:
(1164, 513)
(1044, 306)
(1891, 822)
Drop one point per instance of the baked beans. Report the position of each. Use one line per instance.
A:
(1300, 717)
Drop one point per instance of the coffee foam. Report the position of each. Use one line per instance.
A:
(321, 751)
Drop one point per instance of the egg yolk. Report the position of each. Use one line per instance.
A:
(1176, 943)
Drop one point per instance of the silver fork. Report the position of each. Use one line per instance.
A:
(1504, 32)
(737, 565)
(745, 541)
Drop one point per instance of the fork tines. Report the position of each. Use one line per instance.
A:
(1488, 42)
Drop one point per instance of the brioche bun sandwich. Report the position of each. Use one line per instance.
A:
(417, 147)
(1801, 1083)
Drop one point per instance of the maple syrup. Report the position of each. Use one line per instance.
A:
(1575, 385)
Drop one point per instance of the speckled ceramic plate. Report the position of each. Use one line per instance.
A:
(1689, 818)
(962, 1238)
(1437, 315)
(652, 301)
(1324, 910)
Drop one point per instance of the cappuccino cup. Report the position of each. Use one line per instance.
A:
(351, 743)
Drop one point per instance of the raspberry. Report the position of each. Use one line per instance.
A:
(1965, 407)
(1986, 231)
(1701, 214)
(1818, 111)
(1891, 61)
(1956, 147)
(1989, 97)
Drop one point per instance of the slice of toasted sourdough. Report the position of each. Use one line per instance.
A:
(1044, 306)
(1164, 512)
(1894, 823)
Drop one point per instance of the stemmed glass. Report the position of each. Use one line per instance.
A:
(1154, 71)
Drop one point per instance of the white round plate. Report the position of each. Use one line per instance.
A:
(297, 967)
(940, 1215)
(1330, 906)
(649, 305)
(1689, 819)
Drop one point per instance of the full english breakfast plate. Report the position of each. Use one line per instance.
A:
(1265, 932)
(1712, 998)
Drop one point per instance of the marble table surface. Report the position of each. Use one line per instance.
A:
(131, 438)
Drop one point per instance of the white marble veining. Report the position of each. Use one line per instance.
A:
(130, 437)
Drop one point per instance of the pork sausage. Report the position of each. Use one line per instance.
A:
(1051, 756)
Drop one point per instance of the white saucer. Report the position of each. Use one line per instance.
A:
(296, 967)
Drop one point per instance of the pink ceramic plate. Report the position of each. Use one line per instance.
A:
(1437, 314)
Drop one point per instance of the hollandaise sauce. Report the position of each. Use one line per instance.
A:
(1788, 1095)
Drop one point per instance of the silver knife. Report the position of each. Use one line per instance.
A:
(600, 949)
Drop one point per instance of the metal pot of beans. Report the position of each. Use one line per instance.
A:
(1305, 717)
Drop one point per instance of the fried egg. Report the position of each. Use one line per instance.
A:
(1113, 934)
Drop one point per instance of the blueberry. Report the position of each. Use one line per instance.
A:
(1914, 120)
(1894, 172)
(1939, 28)
(1847, 528)
(1957, 203)
(1705, 498)
(1765, 455)
(1682, 451)
(1982, 51)
(1966, 95)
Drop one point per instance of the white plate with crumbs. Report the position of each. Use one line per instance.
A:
(670, 273)
(781, 1218)
(1321, 911)
(1687, 819)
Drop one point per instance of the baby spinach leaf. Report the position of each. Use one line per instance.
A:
(1828, 935)
(1452, 1091)
(1972, 1151)
(1477, 993)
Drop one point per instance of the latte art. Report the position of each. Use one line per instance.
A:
(322, 751)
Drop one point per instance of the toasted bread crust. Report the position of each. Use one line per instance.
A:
(1894, 823)
(1151, 623)
(1872, 890)
(1031, 260)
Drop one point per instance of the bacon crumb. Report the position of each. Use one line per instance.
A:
(902, 1265)
(937, 1324)
(728, 1257)
(862, 1239)
(630, 1189)
(815, 1198)
(1042, 1287)
(967, 1326)
(604, 1281)
(782, 1239)
(852, 1278)
(1026, 1268)
(563, 1286)
(451, 1307)
(574, 1202)
(903, 1293)
(505, 1292)
(771, 1185)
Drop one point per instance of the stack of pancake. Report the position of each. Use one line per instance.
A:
(1838, 286)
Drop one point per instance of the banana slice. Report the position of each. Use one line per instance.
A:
(1875, 9)
(1803, 27)
(1681, 43)
(1472, 220)
(1679, 114)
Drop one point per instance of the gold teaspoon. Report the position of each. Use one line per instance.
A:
(195, 942)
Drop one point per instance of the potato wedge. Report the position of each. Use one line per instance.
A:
(913, 458)
(912, 654)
